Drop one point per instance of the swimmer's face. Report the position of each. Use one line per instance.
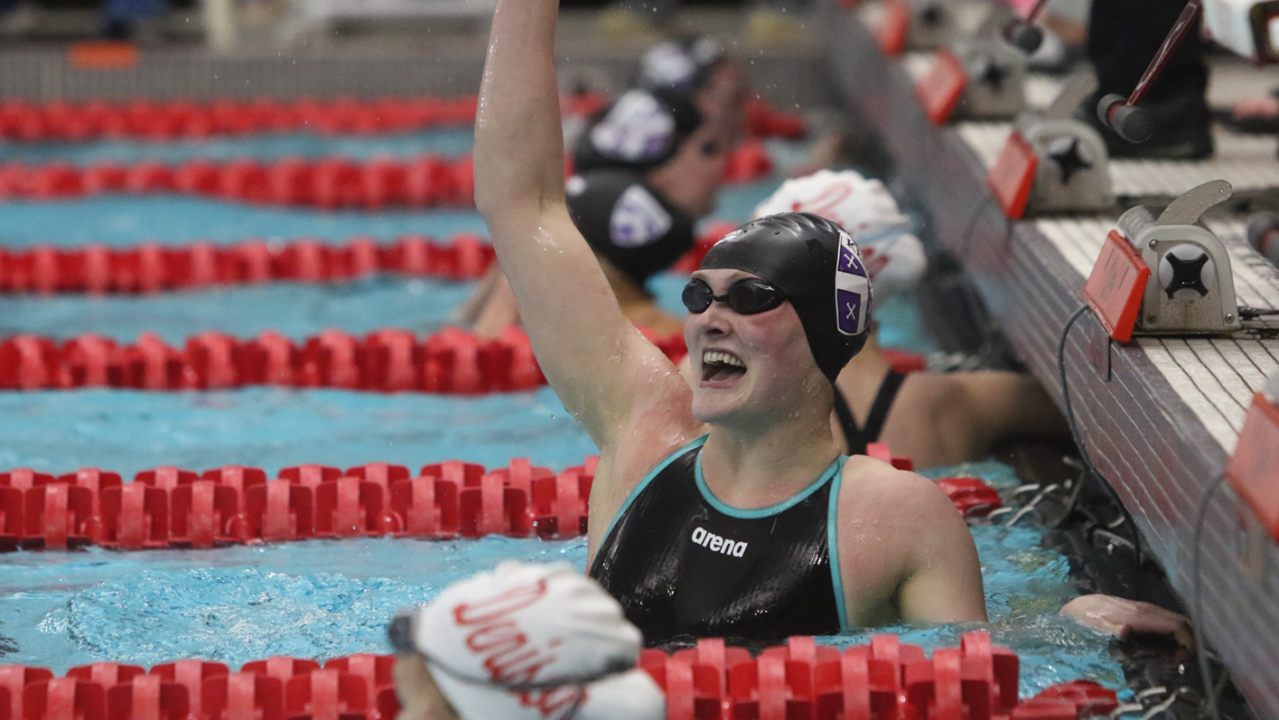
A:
(691, 178)
(748, 370)
(722, 100)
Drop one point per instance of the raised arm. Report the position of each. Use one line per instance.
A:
(595, 360)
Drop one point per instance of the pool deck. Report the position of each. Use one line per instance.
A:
(1163, 423)
(413, 61)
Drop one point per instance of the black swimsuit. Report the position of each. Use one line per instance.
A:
(681, 562)
(856, 437)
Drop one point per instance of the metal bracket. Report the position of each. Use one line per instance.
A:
(1187, 209)
(1099, 349)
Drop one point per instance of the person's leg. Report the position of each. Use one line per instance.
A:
(120, 16)
(1123, 37)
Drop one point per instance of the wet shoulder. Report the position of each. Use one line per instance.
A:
(871, 487)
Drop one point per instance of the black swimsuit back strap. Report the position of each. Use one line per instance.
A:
(858, 438)
(853, 438)
(883, 403)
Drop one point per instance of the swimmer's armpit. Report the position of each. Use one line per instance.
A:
(1127, 619)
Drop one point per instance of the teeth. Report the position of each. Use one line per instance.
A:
(722, 358)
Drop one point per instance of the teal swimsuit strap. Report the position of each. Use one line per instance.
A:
(626, 504)
(793, 500)
(832, 543)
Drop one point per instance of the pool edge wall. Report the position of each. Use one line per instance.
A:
(1138, 430)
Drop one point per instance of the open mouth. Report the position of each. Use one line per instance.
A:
(719, 366)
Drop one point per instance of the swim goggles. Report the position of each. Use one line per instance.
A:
(745, 297)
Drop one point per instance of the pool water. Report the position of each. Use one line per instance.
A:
(451, 142)
(323, 599)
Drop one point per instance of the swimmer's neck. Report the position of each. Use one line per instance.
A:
(861, 377)
(749, 470)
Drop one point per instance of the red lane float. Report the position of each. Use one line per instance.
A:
(882, 680)
(973, 497)
(328, 183)
(62, 121)
(451, 361)
(99, 269)
(172, 507)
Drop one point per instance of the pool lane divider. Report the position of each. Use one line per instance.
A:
(62, 121)
(879, 680)
(451, 361)
(328, 183)
(169, 507)
(152, 267)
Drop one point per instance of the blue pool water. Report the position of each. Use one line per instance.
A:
(324, 599)
(295, 310)
(179, 219)
(240, 604)
(448, 142)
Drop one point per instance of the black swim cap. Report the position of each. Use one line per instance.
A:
(639, 131)
(626, 222)
(817, 264)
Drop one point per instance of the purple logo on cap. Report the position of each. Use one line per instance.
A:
(850, 259)
(852, 289)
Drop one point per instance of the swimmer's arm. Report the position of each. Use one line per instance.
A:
(469, 311)
(943, 576)
(1001, 406)
(499, 311)
(595, 360)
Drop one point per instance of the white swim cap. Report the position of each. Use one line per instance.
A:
(894, 257)
(541, 642)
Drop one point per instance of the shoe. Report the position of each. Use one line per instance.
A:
(1262, 119)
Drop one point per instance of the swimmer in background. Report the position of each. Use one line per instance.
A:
(935, 419)
(698, 66)
(523, 641)
(658, 142)
(745, 459)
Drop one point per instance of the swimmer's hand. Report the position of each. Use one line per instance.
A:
(1128, 618)
(420, 698)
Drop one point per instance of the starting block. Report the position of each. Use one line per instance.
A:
(996, 70)
(979, 77)
(1191, 288)
(932, 23)
(1253, 469)
(1166, 275)
(1072, 174)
